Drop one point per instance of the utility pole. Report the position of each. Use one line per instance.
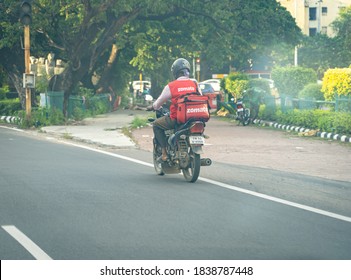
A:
(27, 70)
(296, 47)
(26, 19)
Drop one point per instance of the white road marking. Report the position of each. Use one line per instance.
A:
(12, 128)
(278, 200)
(28, 244)
(231, 187)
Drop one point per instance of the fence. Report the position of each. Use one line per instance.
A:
(100, 103)
(341, 104)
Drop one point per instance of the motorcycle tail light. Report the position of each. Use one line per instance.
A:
(197, 127)
(239, 106)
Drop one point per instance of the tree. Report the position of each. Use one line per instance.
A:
(342, 26)
(96, 36)
(320, 53)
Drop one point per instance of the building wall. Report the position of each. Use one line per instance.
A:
(315, 16)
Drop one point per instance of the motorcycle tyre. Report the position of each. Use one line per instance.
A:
(191, 174)
(157, 164)
(245, 121)
(245, 118)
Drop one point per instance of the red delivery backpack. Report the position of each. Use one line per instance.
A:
(194, 107)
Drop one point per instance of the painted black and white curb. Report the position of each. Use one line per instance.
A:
(326, 135)
(9, 119)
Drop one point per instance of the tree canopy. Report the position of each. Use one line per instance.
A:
(114, 39)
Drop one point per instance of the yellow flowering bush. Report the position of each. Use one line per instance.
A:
(336, 82)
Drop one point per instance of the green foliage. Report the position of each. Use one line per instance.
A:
(3, 91)
(337, 82)
(138, 122)
(41, 117)
(290, 80)
(342, 26)
(261, 84)
(236, 83)
(41, 84)
(328, 121)
(78, 114)
(9, 106)
(147, 35)
(312, 91)
(320, 53)
(268, 113)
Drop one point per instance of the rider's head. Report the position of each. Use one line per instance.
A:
(180, 67)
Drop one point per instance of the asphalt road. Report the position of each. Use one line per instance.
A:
(62, 201)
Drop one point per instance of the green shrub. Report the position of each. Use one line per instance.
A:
(236, 83)
(9, 106)
(261, 84)
(328, 121)
(42, 117)
(3, 91)
(138, 122)
(267, 113)
(312, 91)
(78, 114)
(290, 80)
(336, 82)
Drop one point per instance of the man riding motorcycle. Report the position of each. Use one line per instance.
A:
(181, 86)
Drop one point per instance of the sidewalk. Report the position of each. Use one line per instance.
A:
(104, 130)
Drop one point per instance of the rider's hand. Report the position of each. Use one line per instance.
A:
(150, 108)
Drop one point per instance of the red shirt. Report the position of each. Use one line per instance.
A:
(179, 88)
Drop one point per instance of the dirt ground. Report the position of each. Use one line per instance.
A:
(266, 147)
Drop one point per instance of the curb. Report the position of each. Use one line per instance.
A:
(325, 135)
(10, 119)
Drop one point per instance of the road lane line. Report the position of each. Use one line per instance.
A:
(231, 187)
(28, 244)
(278, 200)
(227, 186)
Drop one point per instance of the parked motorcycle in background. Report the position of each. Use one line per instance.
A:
(242, 113)
(184, 146)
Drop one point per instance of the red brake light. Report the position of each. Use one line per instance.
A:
(197, 127)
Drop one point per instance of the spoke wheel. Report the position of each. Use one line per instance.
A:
(157, 152)
(191, 174)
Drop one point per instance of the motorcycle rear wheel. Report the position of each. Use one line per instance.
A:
(245, 118)
(191, 174)
(157, 164)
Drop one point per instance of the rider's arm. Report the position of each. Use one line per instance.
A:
(165, 95)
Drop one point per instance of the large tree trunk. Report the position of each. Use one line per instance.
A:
(105, 81)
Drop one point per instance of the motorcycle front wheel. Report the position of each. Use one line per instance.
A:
(192, 172)
(157, 152)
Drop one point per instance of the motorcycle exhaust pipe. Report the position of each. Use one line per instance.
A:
(206, 162)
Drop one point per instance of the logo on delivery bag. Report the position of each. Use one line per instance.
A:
(202, 109)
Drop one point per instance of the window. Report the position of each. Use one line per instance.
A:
(313, 13)
(324, 11)
(313, 31)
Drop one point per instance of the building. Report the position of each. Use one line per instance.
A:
(315, 16)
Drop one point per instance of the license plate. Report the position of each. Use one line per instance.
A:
(196, 140)
(240, 109)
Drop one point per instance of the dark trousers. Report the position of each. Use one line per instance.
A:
(159, 126)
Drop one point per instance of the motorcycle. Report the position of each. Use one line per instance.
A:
(184, 146)
(242, 113)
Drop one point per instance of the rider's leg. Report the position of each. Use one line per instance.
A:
(159, 126)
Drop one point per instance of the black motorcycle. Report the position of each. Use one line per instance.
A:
(184, 146)
(242, 113)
